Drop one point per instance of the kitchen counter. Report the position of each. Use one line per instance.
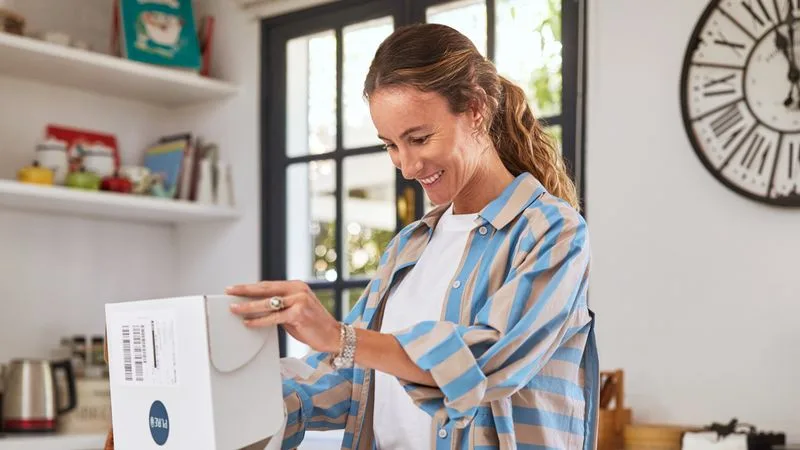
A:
(52, 442)
(315, 440)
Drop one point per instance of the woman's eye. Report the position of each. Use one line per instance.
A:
(388, 147)
(420, 140)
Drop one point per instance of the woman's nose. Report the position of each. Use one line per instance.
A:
(409, 165)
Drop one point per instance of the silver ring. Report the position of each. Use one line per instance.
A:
(276, 303)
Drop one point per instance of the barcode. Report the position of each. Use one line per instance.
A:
(134, 352)
(126, 352)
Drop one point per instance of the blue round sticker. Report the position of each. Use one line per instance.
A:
(159, 423)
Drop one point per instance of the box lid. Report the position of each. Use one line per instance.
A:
(231, 345)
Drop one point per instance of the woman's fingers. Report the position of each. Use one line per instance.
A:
(291, 303)
(278, 317)
(266, 289)
(259, 307)
(256, 312)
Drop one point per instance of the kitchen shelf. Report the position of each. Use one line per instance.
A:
(107, 205)
(32, 59)
(53, 442)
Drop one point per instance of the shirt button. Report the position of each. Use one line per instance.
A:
(483, 230)
(456, 284)
(442, 433)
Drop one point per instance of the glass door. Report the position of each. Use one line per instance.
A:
(331, 197)
(329, 181)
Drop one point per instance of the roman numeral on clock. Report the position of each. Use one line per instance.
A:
(720, 86)
(727, 43)
(753, 151)
(755, 15)
(727, 120)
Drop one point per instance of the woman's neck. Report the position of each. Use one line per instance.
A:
(490, 179)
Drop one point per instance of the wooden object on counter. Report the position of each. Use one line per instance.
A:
(655, 436)
(612, 422)
(93, 412)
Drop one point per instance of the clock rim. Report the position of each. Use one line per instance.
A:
(687, 122)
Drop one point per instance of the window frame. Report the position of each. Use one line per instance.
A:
(276, 31)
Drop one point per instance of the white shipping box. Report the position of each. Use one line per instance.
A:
(185, 373)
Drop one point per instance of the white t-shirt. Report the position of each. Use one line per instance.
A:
(398, 423)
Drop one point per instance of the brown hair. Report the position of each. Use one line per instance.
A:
(437, 58)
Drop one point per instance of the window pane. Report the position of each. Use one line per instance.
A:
(311, 221)
(555, 134)
(350, 298)
(328, 299)
(311, 94)
(466, 16)
(360, 41)
(536, 24)
(369, 212)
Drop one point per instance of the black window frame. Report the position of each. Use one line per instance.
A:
(275, 31)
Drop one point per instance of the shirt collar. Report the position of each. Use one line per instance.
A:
(517, 196)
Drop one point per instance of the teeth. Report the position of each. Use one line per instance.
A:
(432, 178)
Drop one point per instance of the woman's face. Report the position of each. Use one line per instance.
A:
(426, 141)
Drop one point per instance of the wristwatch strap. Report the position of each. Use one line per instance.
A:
(347, 350)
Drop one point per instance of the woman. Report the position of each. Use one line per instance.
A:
(475, 330)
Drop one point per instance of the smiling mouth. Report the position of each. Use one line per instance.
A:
(431, 179)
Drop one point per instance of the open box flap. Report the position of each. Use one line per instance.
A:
(231, 345)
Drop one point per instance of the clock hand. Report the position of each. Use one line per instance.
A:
(786, 46)
(782, 44)
(794, 73)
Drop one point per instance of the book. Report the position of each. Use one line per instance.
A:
(161, 32)
(167, 159)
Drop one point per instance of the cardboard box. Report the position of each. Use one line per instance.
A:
(185, 373)
(92, 414)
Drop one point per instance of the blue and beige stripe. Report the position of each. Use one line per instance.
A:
(513, 355)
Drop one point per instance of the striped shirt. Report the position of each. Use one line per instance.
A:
(513, 355)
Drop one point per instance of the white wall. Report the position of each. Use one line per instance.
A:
(694, 286)
(56, 272)
(213, 256)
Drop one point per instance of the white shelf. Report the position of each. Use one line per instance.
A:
(53, 442)
(29, 58)
(107, 205)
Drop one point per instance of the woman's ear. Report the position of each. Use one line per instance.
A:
(475, 114)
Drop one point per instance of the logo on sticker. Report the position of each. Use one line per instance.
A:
(159, 423)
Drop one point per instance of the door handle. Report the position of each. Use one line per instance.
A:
(407, 206)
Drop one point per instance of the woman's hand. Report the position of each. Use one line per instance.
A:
(303, 316)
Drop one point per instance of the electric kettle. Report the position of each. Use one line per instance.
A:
(30, 398)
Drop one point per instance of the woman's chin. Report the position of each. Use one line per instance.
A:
(437, 198)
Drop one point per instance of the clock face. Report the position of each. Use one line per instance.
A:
(740, 96)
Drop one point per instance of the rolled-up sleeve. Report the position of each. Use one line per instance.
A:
(320, 402)
(324, 401)
(514, 334)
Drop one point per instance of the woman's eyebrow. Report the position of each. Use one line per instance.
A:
(407, 132)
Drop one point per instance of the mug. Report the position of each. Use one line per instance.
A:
(99, 159)
(52, 154)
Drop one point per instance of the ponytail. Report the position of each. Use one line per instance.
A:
(524, 146)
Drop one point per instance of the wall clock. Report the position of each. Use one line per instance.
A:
(740, 97)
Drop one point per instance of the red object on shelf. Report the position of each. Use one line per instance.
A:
(206, 38)
(116, 183)
(76, 136)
